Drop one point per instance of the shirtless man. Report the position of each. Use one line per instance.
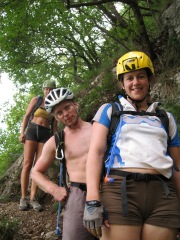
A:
(77, 134)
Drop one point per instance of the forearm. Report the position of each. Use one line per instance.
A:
(23, 128)
(176, 181)
(43, 182)
(175, 154)
(59, 193)
(95, 160)
(24, 125)
(93, 175)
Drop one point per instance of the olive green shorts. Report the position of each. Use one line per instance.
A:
(146, 201)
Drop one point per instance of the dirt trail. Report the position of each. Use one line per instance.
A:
(31, 224)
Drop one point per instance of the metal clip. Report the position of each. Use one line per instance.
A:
(62, 155)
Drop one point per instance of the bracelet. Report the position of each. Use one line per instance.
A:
(93, 203)
(177, 169)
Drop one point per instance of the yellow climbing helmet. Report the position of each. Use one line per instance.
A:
(133, 61)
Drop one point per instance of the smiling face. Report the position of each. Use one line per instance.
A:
(136, 84)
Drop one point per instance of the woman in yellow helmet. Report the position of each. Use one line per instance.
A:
(138, 195)
(35, 131)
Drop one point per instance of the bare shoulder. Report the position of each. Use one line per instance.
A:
(33, 102)
(31, 105)
(87, 124)
(50, 144)
(34, 99)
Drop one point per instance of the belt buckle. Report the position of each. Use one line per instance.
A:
(141, 177)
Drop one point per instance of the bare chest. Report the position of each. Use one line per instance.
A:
(77, 145)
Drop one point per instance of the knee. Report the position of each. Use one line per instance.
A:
(27, 167)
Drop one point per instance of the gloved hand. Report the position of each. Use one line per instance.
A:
(93, 217)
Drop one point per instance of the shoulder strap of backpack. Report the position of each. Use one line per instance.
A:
(115, 118)
(162, 115)
(38, 103)
(59, 139)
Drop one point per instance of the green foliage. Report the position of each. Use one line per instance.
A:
(7, 229)
(10, 147)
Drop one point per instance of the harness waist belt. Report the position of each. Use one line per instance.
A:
(81, 186)
(138, 176)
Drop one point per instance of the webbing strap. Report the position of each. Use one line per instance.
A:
(138, 177)
(115, 118)
(59, 139)
(124, 198)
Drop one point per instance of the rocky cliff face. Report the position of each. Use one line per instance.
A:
(171, 18)
(167, 83)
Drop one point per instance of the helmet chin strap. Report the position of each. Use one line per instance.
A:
(136, 101)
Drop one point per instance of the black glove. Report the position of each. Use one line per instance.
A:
(93, 217)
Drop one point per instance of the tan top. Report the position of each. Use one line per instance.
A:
(41, 112)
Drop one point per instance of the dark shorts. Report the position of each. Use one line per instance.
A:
(146, 201)
(37, 133)
(73, 228)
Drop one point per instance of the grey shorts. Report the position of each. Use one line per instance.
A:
(146, 201)
(37, 133)
(73, 228)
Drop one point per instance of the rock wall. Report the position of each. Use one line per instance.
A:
(171, 18)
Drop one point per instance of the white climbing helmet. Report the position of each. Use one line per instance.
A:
(56, 96)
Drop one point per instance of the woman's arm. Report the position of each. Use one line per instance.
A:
(93, 212)
(26, 118)
(175, 154)
(95, 160)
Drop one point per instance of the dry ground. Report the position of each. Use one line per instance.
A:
(31, 224)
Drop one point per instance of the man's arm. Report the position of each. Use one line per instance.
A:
(41, 166)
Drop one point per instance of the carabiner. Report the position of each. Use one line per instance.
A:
(62, 155)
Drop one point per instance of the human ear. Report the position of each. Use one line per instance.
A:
(76, 104)
(121, 85)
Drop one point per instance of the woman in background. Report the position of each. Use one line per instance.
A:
(35, 131)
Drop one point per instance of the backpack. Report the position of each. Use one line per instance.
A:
(38, 103)
(59, 140)
(115, 118)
